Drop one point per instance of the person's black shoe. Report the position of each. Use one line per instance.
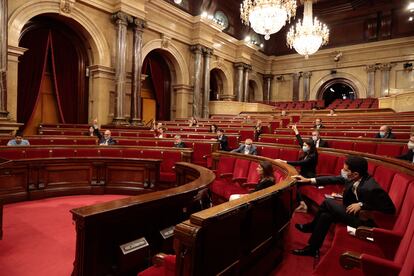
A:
(306, 251)
(305, 228)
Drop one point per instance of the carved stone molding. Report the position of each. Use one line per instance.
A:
(165, 41)
(66, 6)
(306, 74)
(371, 68)
(385, 66)
(122, 18)
(268, 76)
(207, 51)
(196, 48)
(139, 24)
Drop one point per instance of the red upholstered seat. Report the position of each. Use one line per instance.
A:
(13, 153)
(37, 153)
(384, 175)
(246, 133)
(345, 145)
(167, 268)
(268, 152)
(88, 153)
(388, 150)
(267, 139)
(150, 143)
(127, 142)
(326, 164)
(225, 165)
(241, 169)
(365, 147)
(63, 153)
(288, 154)
(287, 141)
(131, 153)
(109, 152)
(200, 150)
(166, 144)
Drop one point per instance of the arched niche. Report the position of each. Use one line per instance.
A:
(257, 85)
(329, 79)
(226, 76)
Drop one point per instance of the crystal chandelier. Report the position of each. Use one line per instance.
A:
(267, 17)
(309, 35)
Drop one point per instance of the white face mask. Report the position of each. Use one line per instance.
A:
(344, 174)
(410, 145)
(382, 134)
(305, 148)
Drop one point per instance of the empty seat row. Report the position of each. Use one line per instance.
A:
(168, 156)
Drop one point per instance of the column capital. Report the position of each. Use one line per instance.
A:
(197, 48)
(280, 78)
(268, 76)
(297, 75)
(247, 67)
(122, 18)
(306, 74)
(239, 65)
(207, 51)
(385, 66)
(139, 24)
(371, 68)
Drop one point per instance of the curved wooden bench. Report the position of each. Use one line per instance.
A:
(102, 228)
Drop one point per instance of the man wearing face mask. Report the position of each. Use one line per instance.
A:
(247, 148)
(409, 155)
(385, 133)
(316, 137)
(361, 192)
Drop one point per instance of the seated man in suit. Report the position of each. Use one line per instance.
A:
(222, 139)
(318, 124)
(18, 140)
(247, 148)
(409, 155)
(107, 140)
(178, 143)
(361, 192)
(385, 132)
(316, 137)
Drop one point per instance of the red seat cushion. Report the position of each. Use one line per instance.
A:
(326, 164)
(365, 147)
(241, 168)
(289, 154)
(384, 175)
(390, 150)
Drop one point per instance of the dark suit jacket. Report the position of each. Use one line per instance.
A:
(110, 141)
(409, 155)
(264, 183)
(224, 144)
(252, 150)
(322, 143)
(179, 145)
(318, 127)
(308, 163)
(372, 196)
(388, 135)
(96, 132)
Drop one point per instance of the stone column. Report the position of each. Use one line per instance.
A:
(247, 69)
(121, 20)
(385, 78)
(239, 81)
(295, 86)
(197, 102)
(3, 58)
(267, 87)
(306, 85)
(136, 105)
(206, 95)
(371, 80)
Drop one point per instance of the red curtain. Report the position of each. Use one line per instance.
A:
(69, 76)
(31, 69)
(161, 82)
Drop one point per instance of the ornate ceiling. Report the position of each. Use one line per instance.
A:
(350, 21)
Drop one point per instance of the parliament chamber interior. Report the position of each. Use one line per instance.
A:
(206, 137)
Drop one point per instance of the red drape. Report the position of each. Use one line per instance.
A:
(67, 71)
(31, 69)
(69, 74)
(161, 83)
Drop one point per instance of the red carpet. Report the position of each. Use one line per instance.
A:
(39, 236)
(298, 265)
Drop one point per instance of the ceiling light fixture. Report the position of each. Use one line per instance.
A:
(178, 2)
(267, 17)
(309, 35)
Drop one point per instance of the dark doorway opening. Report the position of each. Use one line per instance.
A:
(338, 89)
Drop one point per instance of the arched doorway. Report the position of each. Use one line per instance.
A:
(52, 81)
(156, 89)
(253, 90)
(338, 88)
(216, 84)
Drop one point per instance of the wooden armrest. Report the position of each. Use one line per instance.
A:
(158, 259)
(350, 260)
(364, 232)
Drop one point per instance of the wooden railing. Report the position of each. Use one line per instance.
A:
(103, 229)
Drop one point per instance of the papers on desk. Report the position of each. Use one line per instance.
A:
(351, 231)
